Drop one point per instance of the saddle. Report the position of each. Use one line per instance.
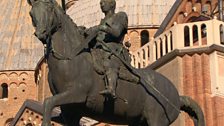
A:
(123, 73)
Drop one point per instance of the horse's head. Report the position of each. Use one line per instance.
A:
(44, 18)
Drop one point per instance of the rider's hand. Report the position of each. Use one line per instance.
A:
(103, 28)
(100, 36)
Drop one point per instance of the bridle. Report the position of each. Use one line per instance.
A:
(48, 46)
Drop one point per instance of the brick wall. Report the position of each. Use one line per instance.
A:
(196, 74)
(20, 86)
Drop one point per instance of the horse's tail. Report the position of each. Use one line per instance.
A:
(189, 106)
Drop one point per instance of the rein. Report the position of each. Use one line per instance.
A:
(49, 48)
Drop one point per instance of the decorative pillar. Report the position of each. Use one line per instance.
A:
(220, 8)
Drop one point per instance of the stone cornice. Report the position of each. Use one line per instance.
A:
(181, 52)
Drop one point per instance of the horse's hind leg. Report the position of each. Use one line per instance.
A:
(64, 98)
(70, 115)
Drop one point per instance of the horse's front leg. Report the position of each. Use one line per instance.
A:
(48, 107)
(64, 98)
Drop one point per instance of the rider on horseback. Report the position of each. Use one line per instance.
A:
(111, 30)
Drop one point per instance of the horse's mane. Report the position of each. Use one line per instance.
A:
(62, 12)
(67, 20)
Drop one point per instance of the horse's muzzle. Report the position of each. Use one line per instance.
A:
(42, 36)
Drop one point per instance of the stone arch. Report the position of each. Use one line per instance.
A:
(207, 8)
(23, 76)
(22, 87)
(3, 76)
(134, 40)
(188, 6)
(198, 5)
(13, 75)
(180, 17)
(13, 85)
(8, 121)
(133, 31)
(192, 17)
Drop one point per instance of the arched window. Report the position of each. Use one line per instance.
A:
(180, 17)
(161, 48)
(156, 49)
(166, 44)
(195, 35)
(29, 124)
(221, 28)
(144, 37)
(186, 36)
(171, 40)
(4, 91)
(204, 34)
(134, 40)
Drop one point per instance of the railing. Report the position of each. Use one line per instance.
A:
(180, 36)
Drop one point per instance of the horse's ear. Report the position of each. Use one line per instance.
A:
(30, 2)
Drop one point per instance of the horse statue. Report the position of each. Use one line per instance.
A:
(75, 84)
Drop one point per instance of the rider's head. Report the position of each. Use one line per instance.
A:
(107, 5)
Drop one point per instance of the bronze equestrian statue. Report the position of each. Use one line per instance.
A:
(150, 101)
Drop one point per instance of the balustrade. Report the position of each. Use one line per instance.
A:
(180, 36)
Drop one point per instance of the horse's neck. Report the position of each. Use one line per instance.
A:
(67, 37)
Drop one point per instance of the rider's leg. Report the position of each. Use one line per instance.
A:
(111, 82)
(112, 76)
(112, 68)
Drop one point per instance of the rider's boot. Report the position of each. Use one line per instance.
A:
(111, 81)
